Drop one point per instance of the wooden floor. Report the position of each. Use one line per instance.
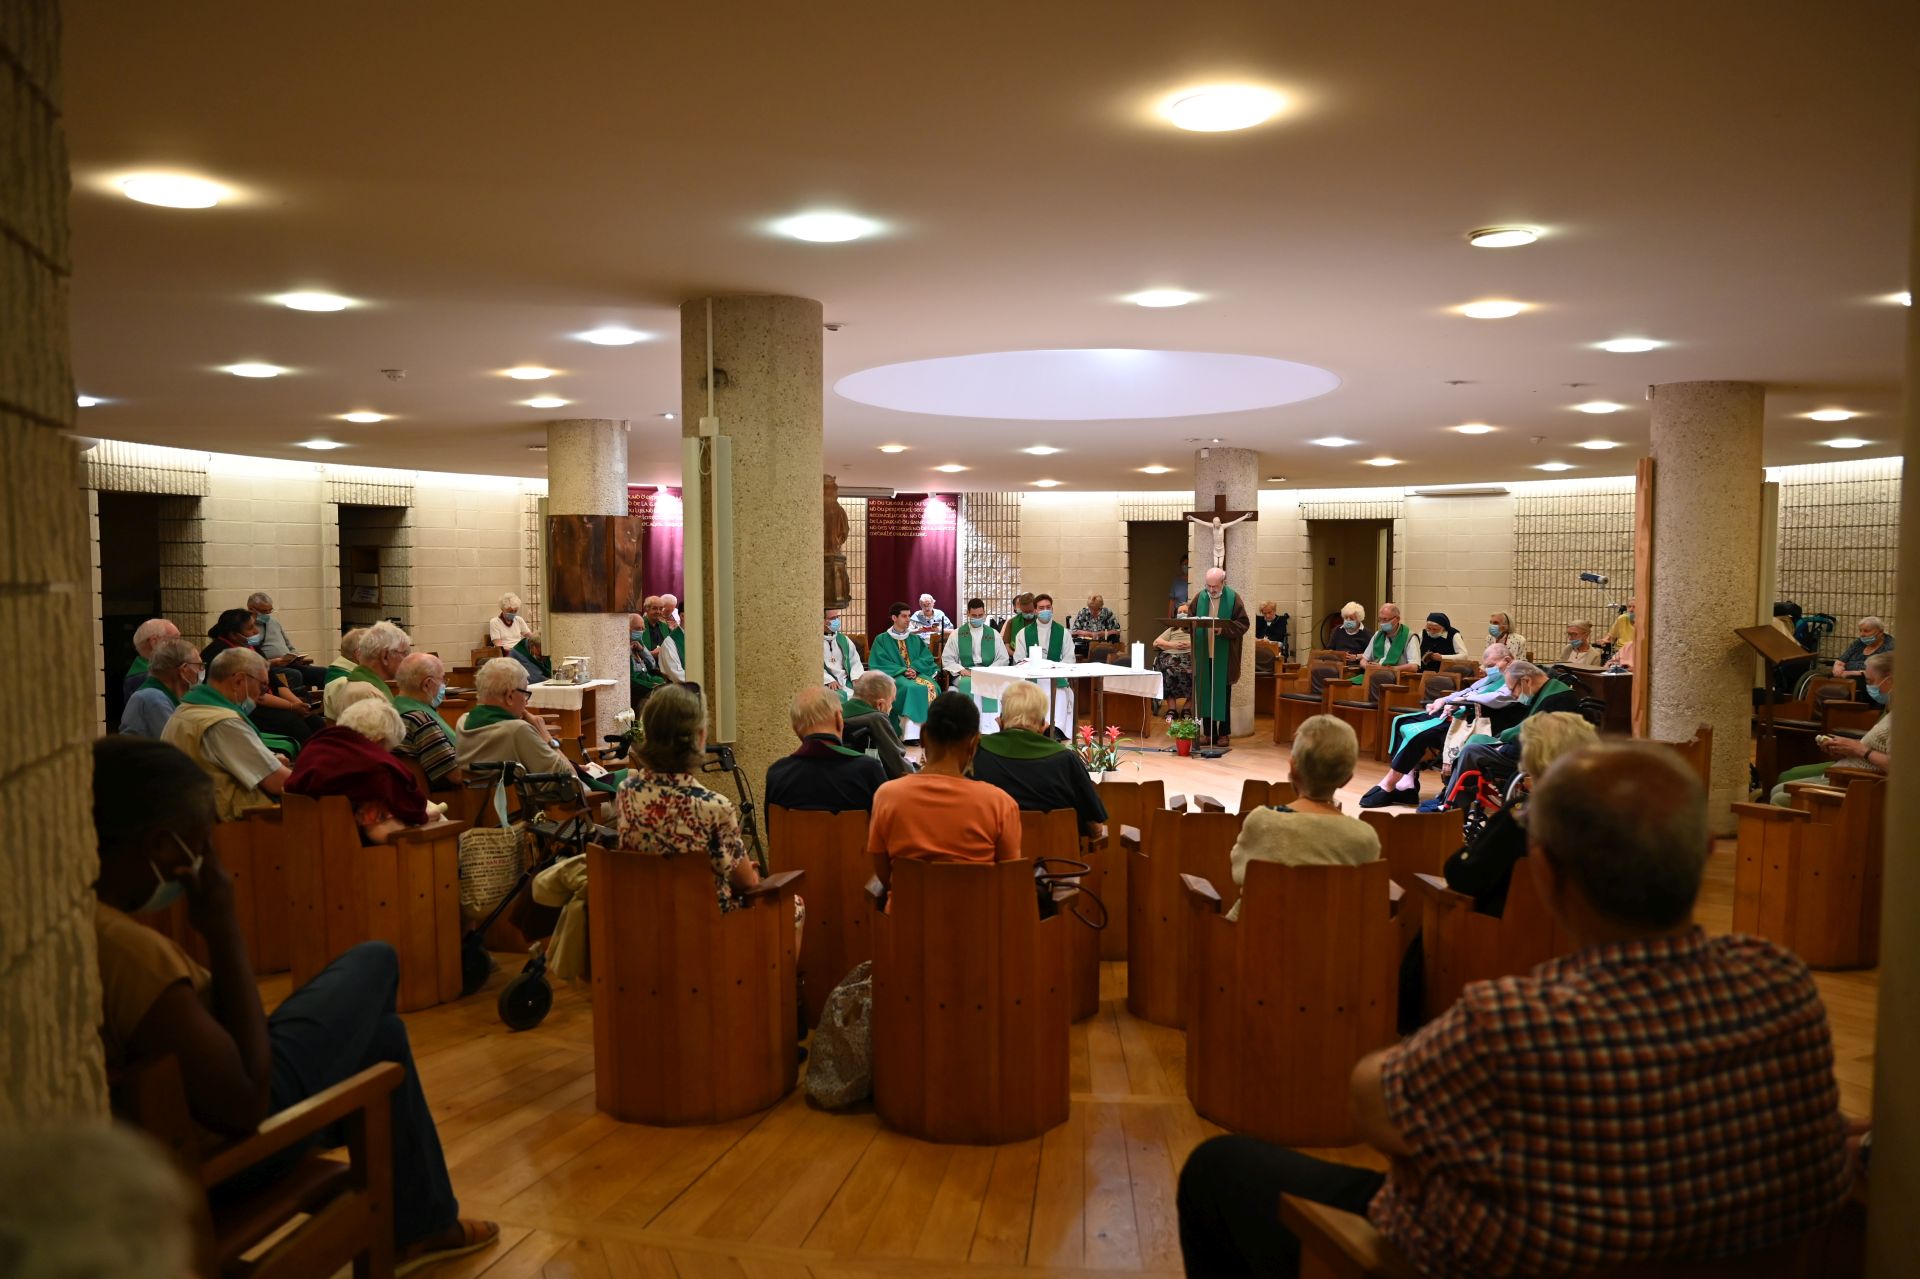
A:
(797, 1192)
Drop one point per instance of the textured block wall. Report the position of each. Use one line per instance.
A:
(49, 986)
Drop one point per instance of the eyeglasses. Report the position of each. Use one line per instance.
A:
(523, 692)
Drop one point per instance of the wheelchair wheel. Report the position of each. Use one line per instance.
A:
(525, 1001)
(476, 965)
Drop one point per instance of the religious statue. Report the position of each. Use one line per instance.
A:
(1219, 531)
(834, 540)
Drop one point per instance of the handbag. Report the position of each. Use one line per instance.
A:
(491, 860)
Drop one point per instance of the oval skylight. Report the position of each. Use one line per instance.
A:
(1105, 384)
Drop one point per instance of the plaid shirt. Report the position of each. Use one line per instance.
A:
(1667, 1098)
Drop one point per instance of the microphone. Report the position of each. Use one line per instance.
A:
(1598, 579)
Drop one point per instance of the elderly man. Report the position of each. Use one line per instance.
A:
(427, 737)
(212, 727)
(1094, 624)
(1500, 631)
(503, 726)
(1044, 640)
(643, 665)
(338, 672)
(382, 648)
(1393, 646)
(974, 644)
(1496, 759)
(1216, 655)
(824, 774)
(929, 622)
(1655, 1094)
(276, 647)
(1580, 650)
(174, 668)
(1416, 733)
(146, 637)
(868, 716)
(839, 657)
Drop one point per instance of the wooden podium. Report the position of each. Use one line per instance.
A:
(1774, 647)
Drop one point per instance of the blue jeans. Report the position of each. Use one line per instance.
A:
(333, 1028)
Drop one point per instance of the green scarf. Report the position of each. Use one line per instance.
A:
(966, 647)
(208, 695)
(1395, 654)
(481, 716)
(854, 706)
(1020, 743)
(139, 667)
(403, 704)
(845, 646)
(838, 748)
(151, 682)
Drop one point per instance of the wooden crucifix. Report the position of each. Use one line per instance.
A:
(1217, 520)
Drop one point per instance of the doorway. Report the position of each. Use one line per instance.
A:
(1154, 551)
(130, 537)
(1351, 560)
(375, 549)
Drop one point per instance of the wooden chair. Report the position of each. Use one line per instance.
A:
(1808, 877)
(1362, 705)
(1464, 669)
(1461, 945)
(1128, 804)
(831, 848)
(321, 1215)
(692, 1007)
(1057, 834)
(970, 1005)
(1302, 695)
(1837, 716)
(1819, 689)
(1174, 844)
(253, 851)
(1284, 1001)
(341, 893)
(1255, 792)
(1414, 843)
(1409, 695)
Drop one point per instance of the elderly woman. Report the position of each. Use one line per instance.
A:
(1415, 733)
(503, 726)
(1267, 626)
(1040, 773)
(173, 667)
(1500, 631)
(1312, 830)
(355, 758)
(1352, 635)
(509, 632)
(663, 810)
(1872, 638)
(1484, 868)
(1870, 751)
(277, 710)
(1580, 649)
(1173, 658)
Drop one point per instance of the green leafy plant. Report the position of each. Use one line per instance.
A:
(1183, 728)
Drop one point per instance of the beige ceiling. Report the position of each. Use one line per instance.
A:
(1730, 176)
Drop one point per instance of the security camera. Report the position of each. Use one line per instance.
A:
(1598, 579)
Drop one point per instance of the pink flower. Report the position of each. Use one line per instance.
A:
(1113, 732)
(1086, 732)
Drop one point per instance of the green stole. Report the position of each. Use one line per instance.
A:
(1055, 643)
(1021, 622)
(966, 646)
(483, 715)
(837, 748)
(208, 695)
(366, 675)
(403, 704)
(151, 682)
(1212, 667)
(1394, 656)
(139, 667)
(854, 706)
(845, 646)
(1020, 743)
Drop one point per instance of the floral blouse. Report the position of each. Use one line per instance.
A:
(668, 814)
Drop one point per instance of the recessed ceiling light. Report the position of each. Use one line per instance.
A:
(1554, 466)
(893, 448)
(547, 402)
(1831, 415)
(536, 448)
(314, 301)
(1222, 108)
(528, 373)
(1333, 441)
(1162, 297)
(1492, 309)
(1902, 298)
(1630, 346)
(255, 370)
(1383, 461)
(667, 416)
(319, 446)
(87, 401)
(363, 417)
(1041, 450)
(1598, 406)
(951, 468)
(173, 191)
(613, 336)
(1155, 470)
(1472, 428)
(1046, 484)
(1847, 442)
(1598, 445)
(826, 228)
(1502, 237)
(1276, 479)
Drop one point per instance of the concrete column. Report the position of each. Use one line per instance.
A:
(1234, 474)
(768, 398)
(50, 1067)
(1707, 477)
(587, 475)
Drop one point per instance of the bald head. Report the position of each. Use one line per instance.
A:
(1216, 578)
(419, 674)
(669, 602)
(1625, 825)
(816, 710)
(636, 621)
(151, 632)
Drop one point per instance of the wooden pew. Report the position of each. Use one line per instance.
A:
(1057, 834)
(1415, 843)
(1304, 694)
(253, 851)
(1255, 792)
(1128, 804)
(692, 1007)
(831, 848)
(1808, 877)
(1461, 945)
(970, 1003)
(341, 893)
(1363, 706)
(1282, 1003)
(1173, 844)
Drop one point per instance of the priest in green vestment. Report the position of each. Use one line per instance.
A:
(905, 656)
(1392, 646)
(1045, 640)
(974, 643)
(1216, 655)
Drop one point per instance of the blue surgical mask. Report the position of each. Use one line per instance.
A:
(1045, 614)
(253, 641)
(1349, 626)
(1389, 628)
(167, 891)
(509, 616)
(976, 622)
(246, 707)
(833, 624)
(637, 636)
(439, 696)
(1493, 629)
(1877, 694)
(1522, 698)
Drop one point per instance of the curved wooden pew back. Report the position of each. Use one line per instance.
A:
(1128, 804)
(1175, 843)
(1057, 834)
(1808, 877)
(1415, 843)
(1461, 945)
(832, 849)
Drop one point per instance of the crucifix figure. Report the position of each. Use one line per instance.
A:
(1217, 521)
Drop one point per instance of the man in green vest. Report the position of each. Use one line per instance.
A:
(1042, 639)
(900, 653)
(1392, 646)
(972, 644)
(868, 718)
(1216, 655)
(212, 727)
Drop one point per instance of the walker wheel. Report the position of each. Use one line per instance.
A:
(476, 965)
(525, 1001)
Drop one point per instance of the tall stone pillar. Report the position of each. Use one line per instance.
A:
(587, 475)
(1235, 475)
(50, 1065)
(1706, 563)
(767, 395)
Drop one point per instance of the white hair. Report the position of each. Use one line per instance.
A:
(1352, 612)
(1520, 668)
(1873, 623)
(350, 643)
(1325, 752)
(259, 597)
(234, 661)
(151, 632)
(84, 1198)
(1023, 706)
(1545, 738)
(170, 655)
(374, 719)
(383, 639)
(509, 602)
(500, 676)
(1492, 654)
(352, 695)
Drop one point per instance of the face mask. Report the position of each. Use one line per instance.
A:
(509, 616)
(167, 891)
(1493, 629)
(1522, 698)
(1045, 614)
(1576, 641)
(1433, 634)
(1028, 613)
(253, 641)
(1349, 626)
(1389, 627)
(636, 636)
(976, 622)
(833, 624)
(439, 695)
(246, 707)
(1877, 694)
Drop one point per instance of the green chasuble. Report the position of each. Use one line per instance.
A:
(1213, 657)
(909, 662)
(1056, 644)
(363, 675)
(1392, 653)
(972, 655)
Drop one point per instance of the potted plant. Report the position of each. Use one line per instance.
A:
(1183, 731)
(1100, 752)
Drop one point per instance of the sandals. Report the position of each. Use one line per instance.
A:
(474, 1235)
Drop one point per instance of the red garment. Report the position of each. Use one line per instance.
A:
(338, 761)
